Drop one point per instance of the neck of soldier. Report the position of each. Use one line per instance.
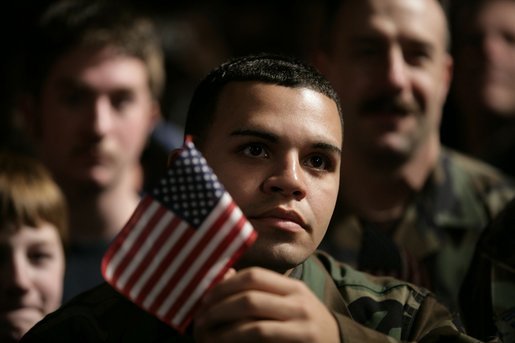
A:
(99, 213)
(380, 195)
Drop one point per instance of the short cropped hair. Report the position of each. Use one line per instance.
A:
(264, 68)
(68, 25)
(29, 196)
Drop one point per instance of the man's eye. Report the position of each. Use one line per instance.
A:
(40, 257)
(417, 57)
(318, 162)
(255, 150)
(121, 100)
(509, 38)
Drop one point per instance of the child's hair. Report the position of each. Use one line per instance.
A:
(29, 196)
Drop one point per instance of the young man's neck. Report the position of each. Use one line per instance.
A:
(380, 195)
(99, 214)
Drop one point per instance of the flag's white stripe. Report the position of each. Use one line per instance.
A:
(190, 245)
(171, 241)
(130, 239)
(213, 272)
(199, 262)
(145, 248)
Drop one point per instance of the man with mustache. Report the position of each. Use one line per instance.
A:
(271, 129)
(93, 82)
(408, 207)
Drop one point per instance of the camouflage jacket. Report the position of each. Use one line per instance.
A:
(433, 243)
(487, 295)
(367, 309)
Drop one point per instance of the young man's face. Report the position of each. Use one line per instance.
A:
(388, 61)
(96, 111)
(277, 151)
(31, 278)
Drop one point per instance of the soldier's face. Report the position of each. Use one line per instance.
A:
(389, 64)
(277, 152)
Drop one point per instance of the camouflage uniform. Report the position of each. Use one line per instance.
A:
(487, 296)
(432, 244)
(366, 308)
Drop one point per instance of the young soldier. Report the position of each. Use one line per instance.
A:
(271, 129)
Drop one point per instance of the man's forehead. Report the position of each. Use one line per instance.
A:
(419, 21)
(251, 103)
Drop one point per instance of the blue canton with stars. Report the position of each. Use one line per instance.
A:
(190, 189)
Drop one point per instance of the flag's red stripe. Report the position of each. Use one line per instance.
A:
(186, 320)
(151, 282)
(157, 246)
(122, 236)
(210, 261)
(234, 256)
(192, 255)
(181, 327)
(138, 242)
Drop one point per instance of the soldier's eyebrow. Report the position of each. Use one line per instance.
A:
(272, 138)
(328, 147)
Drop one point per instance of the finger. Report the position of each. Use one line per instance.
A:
(249, 305)
(229, 273)
(258, 279)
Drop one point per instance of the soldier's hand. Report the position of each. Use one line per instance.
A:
(258, 305)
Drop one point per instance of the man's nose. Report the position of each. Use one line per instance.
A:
(396, 73)
(101, 116)
(287, 179)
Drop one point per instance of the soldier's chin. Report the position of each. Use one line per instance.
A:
(280, 259)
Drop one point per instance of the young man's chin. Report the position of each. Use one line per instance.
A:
(279, 258)
(95, 179)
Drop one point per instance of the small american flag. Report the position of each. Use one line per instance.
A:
(179, 241)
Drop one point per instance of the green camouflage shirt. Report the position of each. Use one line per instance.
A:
(487, 295)
(432, 244)
(367, 309)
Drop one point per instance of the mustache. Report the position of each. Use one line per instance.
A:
(389, 104)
